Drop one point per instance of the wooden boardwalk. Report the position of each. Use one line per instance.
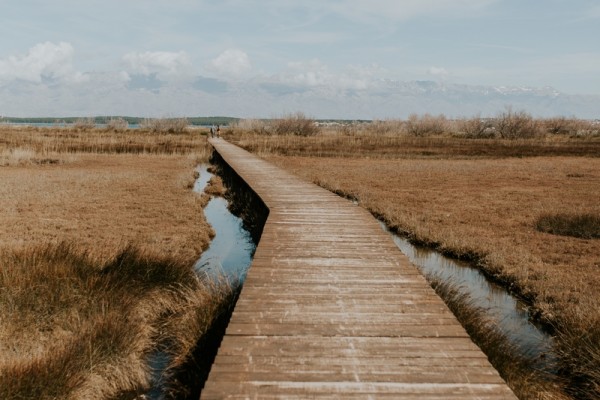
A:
(332, 309)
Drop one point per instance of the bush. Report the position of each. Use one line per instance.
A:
(426, 125)
(516, 125)
(295, 124)
(117, 125)
(84, 124)
(256, 126)
(570, 126)
(165, 125)
(476, 128)
(385, 127)
(584, 226)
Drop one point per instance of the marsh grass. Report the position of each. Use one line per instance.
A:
(578, 346)
(96, 255)
(584, 226)
(100, 140)
(394, 146)
(75, 328)
(510, 134)
(521, 374)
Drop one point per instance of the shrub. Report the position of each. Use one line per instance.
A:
(117, 125)
(570, 126)
(384, 127)
(516, 125)
(585, 226)
(165, 125)
(476, 128)
(426, 125)
(84, 124)
(256, 126)
(295, 124)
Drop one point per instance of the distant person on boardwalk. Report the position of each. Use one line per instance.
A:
(218, 131)
(212, 131)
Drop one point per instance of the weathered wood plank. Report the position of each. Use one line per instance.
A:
(332, 309)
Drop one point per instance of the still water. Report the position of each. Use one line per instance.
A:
(228, 257)
(231, 250)
(508, 314)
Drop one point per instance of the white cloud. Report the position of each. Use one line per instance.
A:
(231, 63)
(166, 65)
(43, 61)
(315, 73)
(438, 72)
(311, 73)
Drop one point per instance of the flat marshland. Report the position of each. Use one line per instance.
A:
(99, 232)
(483, 199)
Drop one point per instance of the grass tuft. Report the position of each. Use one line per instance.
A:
(73, 327)
(583, 226)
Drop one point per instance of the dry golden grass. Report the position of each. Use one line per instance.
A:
(479, 199)
(70, 140)
(73, 328)
(96, 255)
(393, 145)
(105, 202)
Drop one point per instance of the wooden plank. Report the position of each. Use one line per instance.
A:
(332, 309)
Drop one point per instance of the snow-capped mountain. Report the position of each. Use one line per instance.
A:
(339, 97)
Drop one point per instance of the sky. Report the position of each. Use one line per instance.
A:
(262, 58)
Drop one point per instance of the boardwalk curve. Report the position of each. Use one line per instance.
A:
(332, 309)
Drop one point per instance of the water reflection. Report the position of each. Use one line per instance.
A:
(228, 256)
(230, 252)
(509, 315)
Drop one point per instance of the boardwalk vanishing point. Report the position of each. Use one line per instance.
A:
(332, 309)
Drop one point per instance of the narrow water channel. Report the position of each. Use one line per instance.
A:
(229, 256)
(230, 252)
(509, 315)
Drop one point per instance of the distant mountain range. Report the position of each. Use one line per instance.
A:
(396, 99)
(380, 99)
(270, 97)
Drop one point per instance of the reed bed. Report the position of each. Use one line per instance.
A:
(98, 140)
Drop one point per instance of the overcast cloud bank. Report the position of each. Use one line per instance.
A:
(44, 82)
(334, 59)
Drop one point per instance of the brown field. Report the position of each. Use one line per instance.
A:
(98, 234)
(478, 199)
(104, 202)
(98, 230)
